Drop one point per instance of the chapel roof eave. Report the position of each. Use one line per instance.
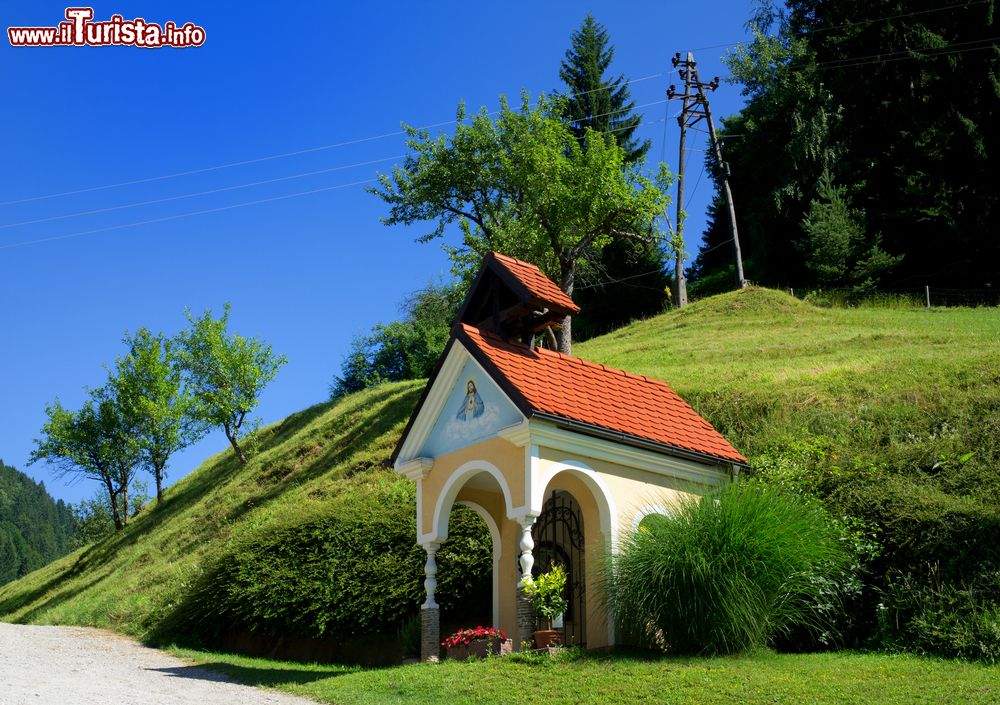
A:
(531, 411)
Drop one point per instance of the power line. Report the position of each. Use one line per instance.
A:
(246, 185)
(283, 155)
(184, 215)
(698, 181)
(820, 30)
(944, 8)
(892, 55)
(619, 281)
(196, 194)
(711, 249)
(221, 208)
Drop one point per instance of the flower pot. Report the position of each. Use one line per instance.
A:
(480, 648)
(545, 637)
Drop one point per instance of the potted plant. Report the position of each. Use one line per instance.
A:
(479, 642)
(547, 595)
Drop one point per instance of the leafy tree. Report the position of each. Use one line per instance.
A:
(522, 184)
(593, 100)
(148, 383)
(628, 279)
(226, 373)
(97, 442)
(404, 349)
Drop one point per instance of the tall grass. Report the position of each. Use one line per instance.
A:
(725, 573)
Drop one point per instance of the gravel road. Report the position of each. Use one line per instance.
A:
(77, 666)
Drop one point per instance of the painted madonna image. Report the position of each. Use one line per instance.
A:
(473, 406)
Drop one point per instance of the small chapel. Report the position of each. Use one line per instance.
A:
(558, 455)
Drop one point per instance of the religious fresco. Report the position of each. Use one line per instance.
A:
(475, 410)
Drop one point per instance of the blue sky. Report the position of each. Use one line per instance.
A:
(305, 272)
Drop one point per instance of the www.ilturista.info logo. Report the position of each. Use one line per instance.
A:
(80, 30)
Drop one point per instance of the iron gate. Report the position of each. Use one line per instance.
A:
(559, 540)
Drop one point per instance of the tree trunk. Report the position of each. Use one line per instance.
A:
(158, 474)
(115, 514)
(568, 278)
(231, 431)
(124, 509)
(236, 448)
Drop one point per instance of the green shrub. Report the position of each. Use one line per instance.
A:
(926, 615)
(727, 572)
(349, 569)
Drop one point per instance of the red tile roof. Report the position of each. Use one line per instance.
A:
(539, 287)
(595, 395)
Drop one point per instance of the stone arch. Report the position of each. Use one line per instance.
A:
(449, 492)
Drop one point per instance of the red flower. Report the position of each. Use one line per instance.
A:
(464, 637)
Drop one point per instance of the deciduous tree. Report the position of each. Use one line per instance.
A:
(96, 442)
(226, 373)
(522, 184)
(628, 280)
(148, 383)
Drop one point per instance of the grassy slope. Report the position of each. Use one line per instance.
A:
(908, 385)
(763, 367)
(897, 387)
(324, 454)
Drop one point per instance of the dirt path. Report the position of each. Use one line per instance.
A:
(73, 665)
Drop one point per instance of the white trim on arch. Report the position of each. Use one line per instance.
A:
(497, 553)
(606, 508)
(448, 493)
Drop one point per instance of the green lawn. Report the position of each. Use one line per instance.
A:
(835, 679)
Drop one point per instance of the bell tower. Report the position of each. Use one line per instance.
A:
(514, 300)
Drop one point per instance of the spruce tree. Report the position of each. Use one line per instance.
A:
(628, 280)
(594, 100)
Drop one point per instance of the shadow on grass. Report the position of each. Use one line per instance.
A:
(272, 676)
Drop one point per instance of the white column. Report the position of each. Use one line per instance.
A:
(525, 610)
(430, 615)
(527, 560)
(430, 573)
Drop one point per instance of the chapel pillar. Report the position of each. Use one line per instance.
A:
(430, 613)
(525, 611)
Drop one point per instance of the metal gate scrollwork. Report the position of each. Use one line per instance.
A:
(559, 540)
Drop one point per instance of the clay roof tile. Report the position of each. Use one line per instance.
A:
(601, 396)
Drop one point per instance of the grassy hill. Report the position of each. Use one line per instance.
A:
(875, 410)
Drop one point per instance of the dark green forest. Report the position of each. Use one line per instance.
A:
(862, 157)
(34, 528)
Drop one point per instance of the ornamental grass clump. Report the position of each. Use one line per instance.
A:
(727, 572)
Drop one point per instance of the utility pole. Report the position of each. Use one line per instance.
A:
(696, 109)
(680, 281)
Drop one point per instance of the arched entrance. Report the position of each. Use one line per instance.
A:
(559, 539)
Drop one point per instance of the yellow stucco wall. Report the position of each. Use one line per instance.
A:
(612, 497)
(633, 492)
(506, 457)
